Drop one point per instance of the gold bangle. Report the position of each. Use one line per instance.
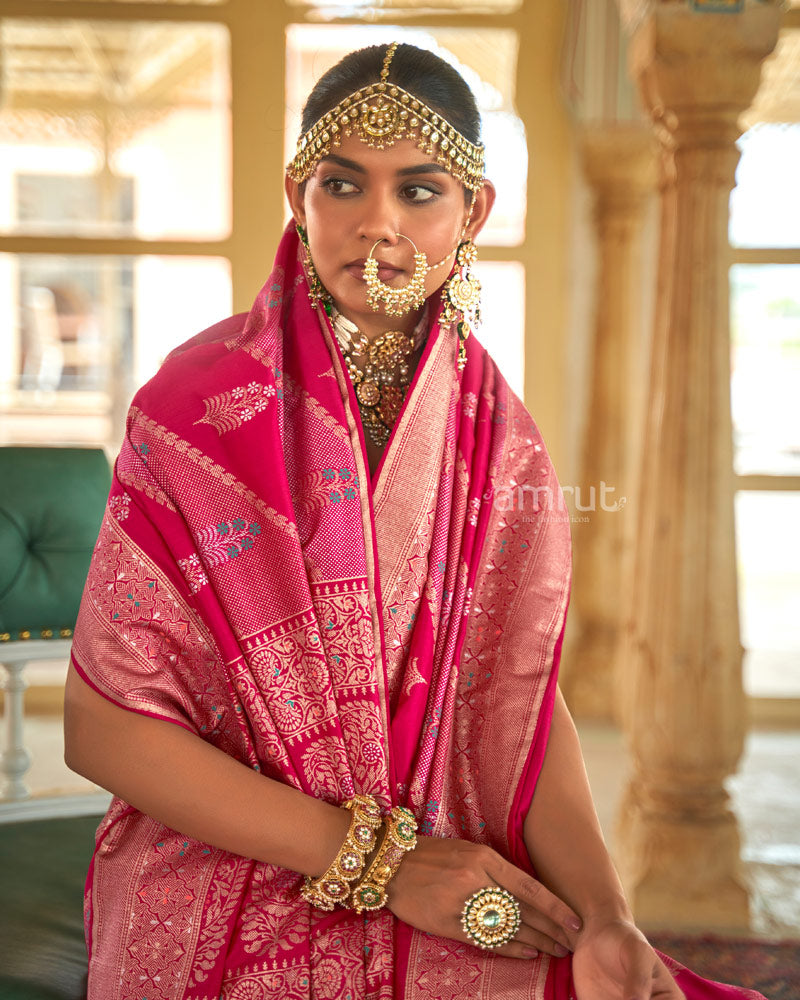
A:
(334, 885)
(400, 836)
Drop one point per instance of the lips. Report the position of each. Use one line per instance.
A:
(386, 271)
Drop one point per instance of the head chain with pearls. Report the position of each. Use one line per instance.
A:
(381, 114)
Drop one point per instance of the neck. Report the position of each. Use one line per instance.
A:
(374, 325)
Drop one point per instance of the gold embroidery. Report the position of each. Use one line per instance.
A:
(227, 411)
(315, 408)
(140, 482)
(413, 676)
(208, 465)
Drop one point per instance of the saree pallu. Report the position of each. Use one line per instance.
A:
(395, 634)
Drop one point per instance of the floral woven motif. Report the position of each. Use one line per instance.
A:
(228, 410)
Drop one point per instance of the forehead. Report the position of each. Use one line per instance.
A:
(403, 156)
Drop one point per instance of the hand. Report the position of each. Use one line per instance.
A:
(435, 880)
(614, 961)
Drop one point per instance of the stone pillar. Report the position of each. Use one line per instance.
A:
(684, 709)
(620, 165)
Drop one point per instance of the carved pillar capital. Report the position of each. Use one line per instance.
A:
(698, 72)
(619, 163)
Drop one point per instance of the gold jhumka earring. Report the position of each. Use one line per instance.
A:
(462, 298)
(317, 292)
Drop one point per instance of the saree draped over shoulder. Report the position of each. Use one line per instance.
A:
(396, 635)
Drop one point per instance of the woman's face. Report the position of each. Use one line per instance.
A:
(358, 195)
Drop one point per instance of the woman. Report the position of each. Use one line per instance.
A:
(303, 597)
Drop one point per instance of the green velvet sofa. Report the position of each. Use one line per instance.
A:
(51, 505)
(43, 865)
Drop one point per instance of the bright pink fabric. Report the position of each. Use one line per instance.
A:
(397, 636)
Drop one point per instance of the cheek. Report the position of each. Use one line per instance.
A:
(441, 245)
(321, 239)
(441, 236)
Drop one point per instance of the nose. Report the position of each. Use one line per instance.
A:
(379, 219)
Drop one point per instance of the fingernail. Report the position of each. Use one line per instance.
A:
(574, 923)
(530, 953)
(561, 951)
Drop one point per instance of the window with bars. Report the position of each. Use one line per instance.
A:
(765, 385)
(102, 126)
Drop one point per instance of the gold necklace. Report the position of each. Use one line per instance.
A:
(381, 384)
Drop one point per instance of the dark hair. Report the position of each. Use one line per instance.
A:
(418, 71)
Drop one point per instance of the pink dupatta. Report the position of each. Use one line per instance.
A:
(396, 635)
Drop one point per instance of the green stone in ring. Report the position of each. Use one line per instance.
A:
(491, 918)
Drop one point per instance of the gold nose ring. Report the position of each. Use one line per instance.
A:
(396, 301)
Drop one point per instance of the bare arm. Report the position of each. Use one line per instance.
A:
(191, 786)
(562, 832)
(612, 959)
(187, 784)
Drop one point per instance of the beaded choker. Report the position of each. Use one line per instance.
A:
(381, 114)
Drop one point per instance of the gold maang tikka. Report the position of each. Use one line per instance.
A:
(381, 114)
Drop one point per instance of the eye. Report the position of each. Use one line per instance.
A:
(338, 186)
(418, 193)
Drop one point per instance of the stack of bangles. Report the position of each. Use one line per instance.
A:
(490, 918)
(336, 885)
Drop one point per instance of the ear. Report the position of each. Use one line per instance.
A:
(296, 195)
(484, 200)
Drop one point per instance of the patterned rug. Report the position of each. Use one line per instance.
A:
(771, 967)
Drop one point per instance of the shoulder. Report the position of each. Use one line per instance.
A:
(192, 369)
(213, 336)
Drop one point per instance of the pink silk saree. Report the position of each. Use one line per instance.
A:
(396, 634)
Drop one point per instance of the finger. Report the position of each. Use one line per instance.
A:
(532, 938)
(518, 948)
(550, 937)
(527, 943)
(528, 890)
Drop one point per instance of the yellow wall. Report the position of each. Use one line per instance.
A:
(546, 249)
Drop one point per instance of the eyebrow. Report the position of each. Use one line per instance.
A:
(422, 168)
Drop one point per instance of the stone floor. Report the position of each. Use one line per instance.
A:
(765, 795)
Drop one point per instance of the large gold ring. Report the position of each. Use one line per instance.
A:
(491, 917)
